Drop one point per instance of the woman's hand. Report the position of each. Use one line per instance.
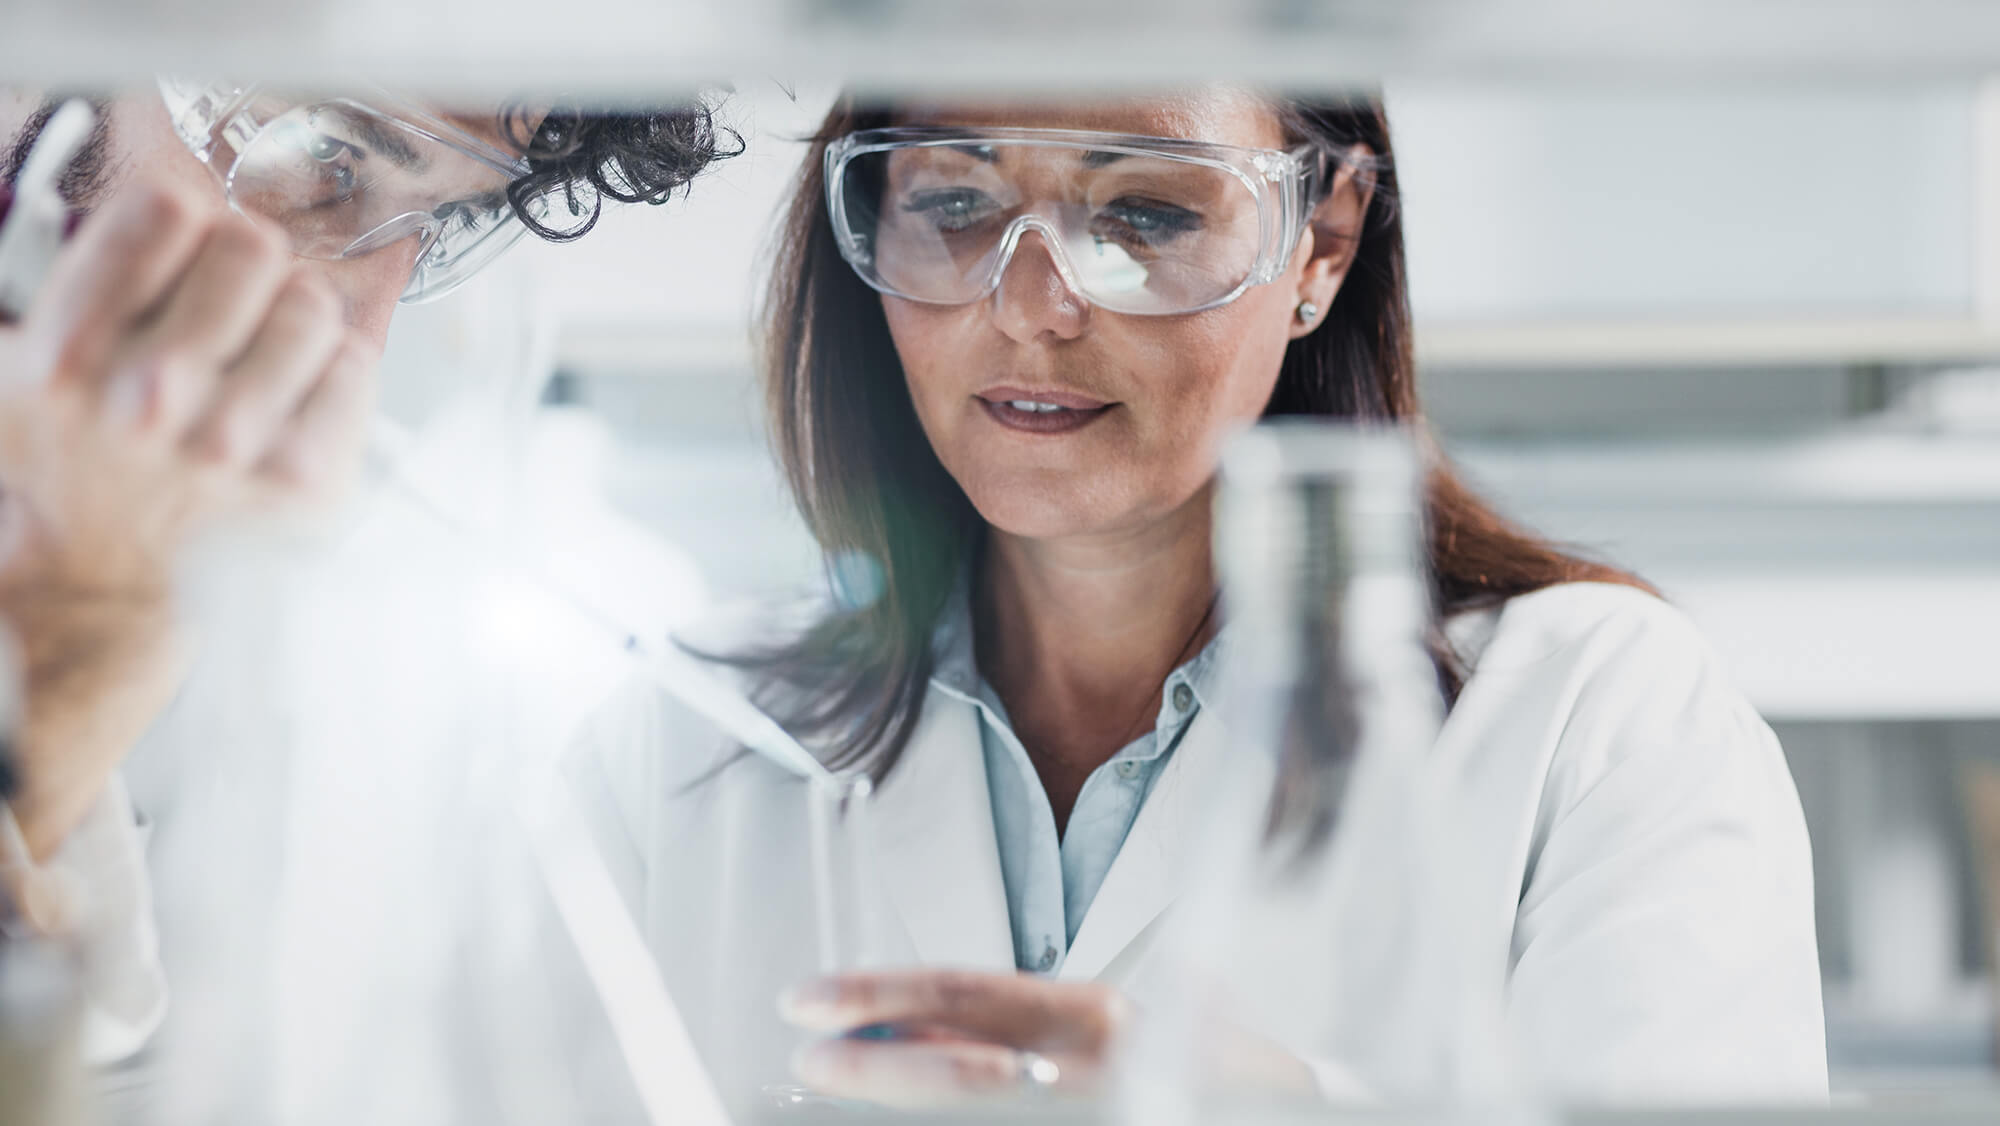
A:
(928, 1038)
(178, 369)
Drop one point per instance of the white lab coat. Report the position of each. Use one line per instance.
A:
(1644, 876)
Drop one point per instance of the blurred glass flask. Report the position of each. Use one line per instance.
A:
(41, 1011)
(1332, 702)
(41, 957)
(856, 926)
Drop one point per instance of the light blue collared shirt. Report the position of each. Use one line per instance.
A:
(1051, 881)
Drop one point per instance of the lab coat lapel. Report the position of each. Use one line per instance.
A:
(1152, 866)
(940, 856)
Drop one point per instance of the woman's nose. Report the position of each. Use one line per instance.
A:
(1034, 297)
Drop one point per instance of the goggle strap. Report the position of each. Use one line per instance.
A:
(380, 237)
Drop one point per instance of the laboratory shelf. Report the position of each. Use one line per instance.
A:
(1952, 1110)
(1833, 341)
(630, 46)
(1870, 647)
(1848, 574)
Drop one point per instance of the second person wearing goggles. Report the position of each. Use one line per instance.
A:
(205, 350)
(346, 176)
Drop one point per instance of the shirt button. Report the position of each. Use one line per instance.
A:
(1127, 769)
(1048, 961)
(1183, 697)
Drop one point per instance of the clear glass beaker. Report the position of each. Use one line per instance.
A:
(1321, 852)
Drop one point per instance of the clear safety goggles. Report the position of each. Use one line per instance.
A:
(1145, 225)
(344, 177)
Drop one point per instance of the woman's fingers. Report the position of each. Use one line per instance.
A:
(315, 450)
(121, 264)
(928, 1072)
(258, 395)
(1015, 1010)
(218, 305)
(215, 311)
(188, 338)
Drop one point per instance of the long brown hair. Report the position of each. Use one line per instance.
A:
(872, 490)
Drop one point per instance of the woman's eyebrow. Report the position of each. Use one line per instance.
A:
(88, 176)
(1095, 158)
(388, 143)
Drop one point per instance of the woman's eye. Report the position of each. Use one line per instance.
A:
(335, 166)
(323, 148)
(951, 209)
(1146, 221)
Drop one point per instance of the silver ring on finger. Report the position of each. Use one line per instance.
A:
(1037, 1074)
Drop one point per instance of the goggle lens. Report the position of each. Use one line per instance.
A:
(1135, 233)
(343, 180)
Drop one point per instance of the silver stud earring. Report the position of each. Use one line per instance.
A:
(1307, 311)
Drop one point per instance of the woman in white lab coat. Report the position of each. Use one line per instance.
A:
(1000, 362)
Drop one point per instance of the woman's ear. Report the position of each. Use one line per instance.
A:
(1333, 237)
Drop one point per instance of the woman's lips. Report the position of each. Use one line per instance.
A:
(1042, 412)
(1051, 396)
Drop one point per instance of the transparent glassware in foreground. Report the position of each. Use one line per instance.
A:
(857, 927)
(1321, 855)
(41, 1053)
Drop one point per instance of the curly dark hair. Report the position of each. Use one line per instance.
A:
(586, 156)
